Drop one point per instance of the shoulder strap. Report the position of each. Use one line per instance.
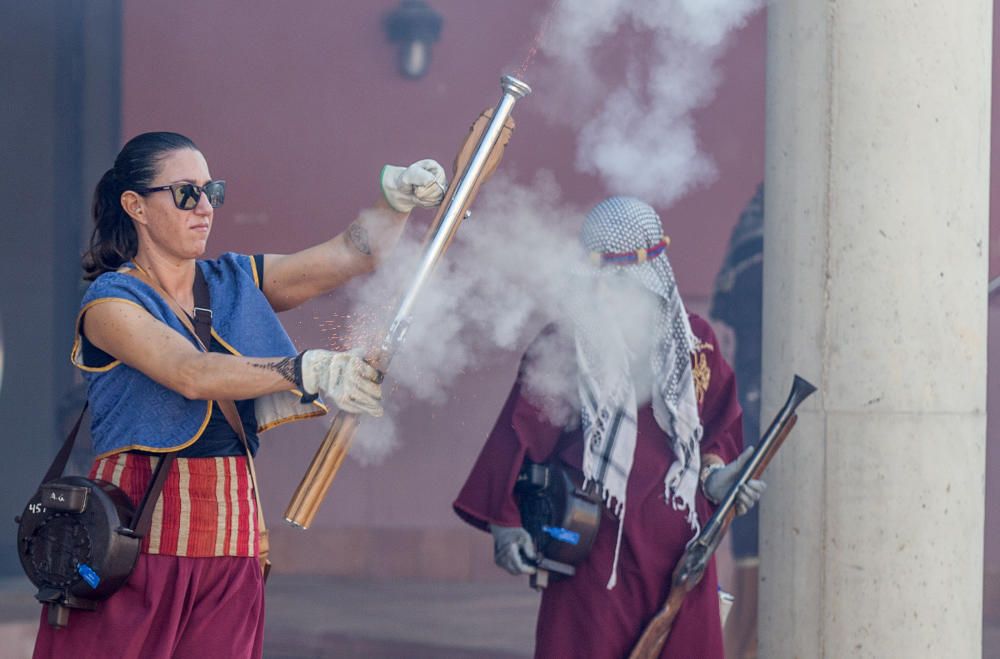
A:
(62, 457)
(202, 309)
(203, 329)
(143, 517)
(202, 305)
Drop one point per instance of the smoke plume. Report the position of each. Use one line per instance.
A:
(635, 123)
(517, 266)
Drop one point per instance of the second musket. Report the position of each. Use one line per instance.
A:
(476, 160)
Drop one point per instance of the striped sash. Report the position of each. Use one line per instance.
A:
(207, 507)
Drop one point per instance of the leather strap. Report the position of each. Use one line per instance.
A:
(62, 457)
(143, 515)
(201, 329)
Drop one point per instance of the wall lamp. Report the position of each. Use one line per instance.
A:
(413, 26)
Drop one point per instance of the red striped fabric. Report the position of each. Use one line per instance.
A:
(207, 507)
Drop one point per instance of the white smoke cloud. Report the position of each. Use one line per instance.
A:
(635, 125)
(505, 274)
(517, 264)
(515, 267)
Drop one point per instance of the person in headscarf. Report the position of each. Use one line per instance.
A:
(737, 301)
(653, 425)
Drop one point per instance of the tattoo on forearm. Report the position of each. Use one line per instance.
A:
(358, 236)
(285, 368)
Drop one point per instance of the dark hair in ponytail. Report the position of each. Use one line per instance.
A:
(114, 240)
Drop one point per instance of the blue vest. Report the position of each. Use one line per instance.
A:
(131, 411)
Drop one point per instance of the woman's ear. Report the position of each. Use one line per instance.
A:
(133, 204)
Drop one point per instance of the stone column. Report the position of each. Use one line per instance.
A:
(875, 279)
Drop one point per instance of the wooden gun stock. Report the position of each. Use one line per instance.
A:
(691, 566)
(764, 462)
(326, 463)
(324, 467)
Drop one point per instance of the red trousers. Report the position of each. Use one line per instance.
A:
(171, 608)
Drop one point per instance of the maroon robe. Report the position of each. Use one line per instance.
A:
(579, 617)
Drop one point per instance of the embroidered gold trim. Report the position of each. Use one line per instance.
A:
(297, 417)
(700, 370)
(256, 275)
(178, 447)
(76, 353)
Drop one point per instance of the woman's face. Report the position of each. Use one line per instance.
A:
(179, 233)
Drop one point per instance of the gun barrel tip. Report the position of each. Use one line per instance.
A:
(803, 385)
(515, 86)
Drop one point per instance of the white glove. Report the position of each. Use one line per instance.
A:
(721, 479)
(511, 546)
(421, 184)
(344, 378)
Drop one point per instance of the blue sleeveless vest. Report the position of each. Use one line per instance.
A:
(131, 411)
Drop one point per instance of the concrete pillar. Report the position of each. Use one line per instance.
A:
(875, 276)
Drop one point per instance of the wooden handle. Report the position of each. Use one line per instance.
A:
(765, 461)
(650, 644)
(324, 466)
(462, 159)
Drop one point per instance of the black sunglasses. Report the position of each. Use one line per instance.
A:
(187, 195)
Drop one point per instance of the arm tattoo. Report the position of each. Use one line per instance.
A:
(358, 236)
(285, 368)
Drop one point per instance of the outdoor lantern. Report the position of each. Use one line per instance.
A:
(413, 26)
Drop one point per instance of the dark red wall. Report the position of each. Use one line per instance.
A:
(298, 105)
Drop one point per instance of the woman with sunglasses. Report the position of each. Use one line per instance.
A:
(197, 589)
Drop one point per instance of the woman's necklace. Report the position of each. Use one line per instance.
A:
(149, 273)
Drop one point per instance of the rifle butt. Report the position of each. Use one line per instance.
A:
(654, 637)
(322, 470)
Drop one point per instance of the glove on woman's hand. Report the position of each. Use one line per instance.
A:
(343, 378)
(421, 184)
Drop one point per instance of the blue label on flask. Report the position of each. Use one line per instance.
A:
(88, 575)
(563, 535)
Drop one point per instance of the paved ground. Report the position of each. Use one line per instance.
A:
(322, 617)
(338, 618)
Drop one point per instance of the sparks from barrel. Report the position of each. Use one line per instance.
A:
(537, 42)
(358, 329)
(362, 329)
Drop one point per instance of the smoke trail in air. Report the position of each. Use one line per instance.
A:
(635, 123)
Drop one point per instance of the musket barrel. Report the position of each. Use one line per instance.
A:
(801, 389)
(691, 566)
(480, 162)
(711, 534)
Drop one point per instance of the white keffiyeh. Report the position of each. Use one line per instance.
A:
(607, 391)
